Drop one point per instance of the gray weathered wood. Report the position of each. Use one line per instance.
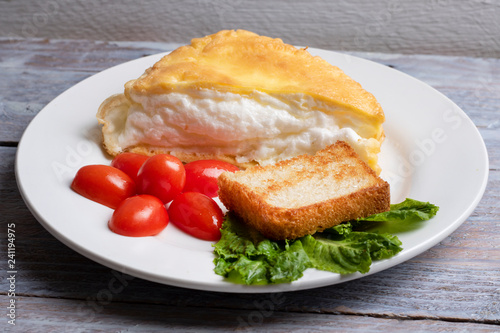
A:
(63, 315)
(432, 26)
(34, 73)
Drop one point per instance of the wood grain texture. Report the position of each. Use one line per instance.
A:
(432, 26)
(62, 315)
(37, 72)
(453, 287)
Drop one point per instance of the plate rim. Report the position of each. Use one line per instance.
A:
(299, 285)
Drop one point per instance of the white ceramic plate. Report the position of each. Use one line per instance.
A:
(432, 152)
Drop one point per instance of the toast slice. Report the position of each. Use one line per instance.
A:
(305, 194)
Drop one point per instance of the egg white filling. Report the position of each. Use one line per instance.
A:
(257, 126)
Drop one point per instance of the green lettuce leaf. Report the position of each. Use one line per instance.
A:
(243, 255)
(409, 210)
(354, 252)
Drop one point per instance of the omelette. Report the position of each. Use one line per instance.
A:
(243, 98)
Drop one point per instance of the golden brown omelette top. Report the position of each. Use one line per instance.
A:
(241, 62)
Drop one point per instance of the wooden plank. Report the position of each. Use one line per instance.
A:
(24, 94)
(79, 55)
(36, 72)
(437, 26)
(62, 315)
(455, 280)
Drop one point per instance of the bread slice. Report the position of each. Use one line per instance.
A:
(305, 194)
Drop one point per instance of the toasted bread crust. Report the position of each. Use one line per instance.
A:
(336, 163)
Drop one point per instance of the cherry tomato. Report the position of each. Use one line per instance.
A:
(162, 176)
(201, 176)
(198, 215)
(104, 184)
(138, 216)
(130, 163)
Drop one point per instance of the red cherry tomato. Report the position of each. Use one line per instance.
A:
(201, 176)
(162, 176)
(130, 163)
(138, 216)
(197, 214)
(104, 184)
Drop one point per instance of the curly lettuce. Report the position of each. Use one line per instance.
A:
(244, 256)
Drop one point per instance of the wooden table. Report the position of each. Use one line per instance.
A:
(453, 287)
